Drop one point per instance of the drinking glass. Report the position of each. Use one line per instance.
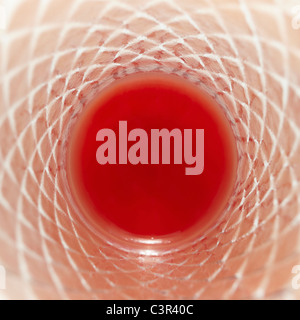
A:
(57, 55)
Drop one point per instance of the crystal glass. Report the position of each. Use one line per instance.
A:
(55, 55)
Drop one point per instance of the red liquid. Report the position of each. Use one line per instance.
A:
(152, 199)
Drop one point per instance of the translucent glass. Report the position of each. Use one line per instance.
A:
(56, 55)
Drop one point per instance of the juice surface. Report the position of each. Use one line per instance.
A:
(151, 199)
